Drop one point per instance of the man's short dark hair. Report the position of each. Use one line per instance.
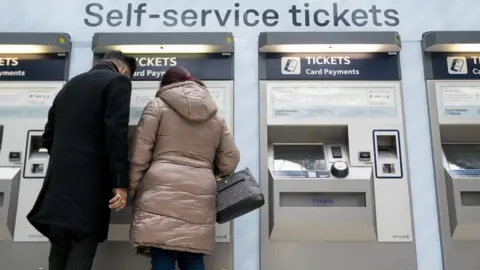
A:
(127, 60)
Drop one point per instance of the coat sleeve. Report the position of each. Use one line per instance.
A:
(117, 115)
(227, 155)
(49, 131)
(144, 143)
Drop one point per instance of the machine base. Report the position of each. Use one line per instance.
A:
(110, 255)
(338, 256)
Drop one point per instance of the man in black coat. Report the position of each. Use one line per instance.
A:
(87, 175)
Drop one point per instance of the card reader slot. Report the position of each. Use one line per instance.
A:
(387, 146)
(336, 152)
(36, 148)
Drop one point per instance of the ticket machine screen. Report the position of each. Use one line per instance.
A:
(299, 157)
(462, 156)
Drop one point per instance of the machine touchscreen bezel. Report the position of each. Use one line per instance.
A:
(321, 158)
(454, 151)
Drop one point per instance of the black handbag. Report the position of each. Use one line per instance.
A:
(237, 195)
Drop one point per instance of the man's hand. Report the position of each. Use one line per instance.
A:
(119, 201)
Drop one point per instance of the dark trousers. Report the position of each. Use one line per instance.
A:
(165, 260)
(71, 250)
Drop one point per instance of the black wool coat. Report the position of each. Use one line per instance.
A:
(86, 137)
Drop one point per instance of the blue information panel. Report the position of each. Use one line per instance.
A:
(152, 67)
(455, 66)
(32, 67)
(333, 66)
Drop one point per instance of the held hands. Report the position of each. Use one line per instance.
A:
(119, 201)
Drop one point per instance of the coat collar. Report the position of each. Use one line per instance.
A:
(106, 66)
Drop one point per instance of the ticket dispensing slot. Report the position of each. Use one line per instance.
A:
(36, 158)
(311, 181)
(387, 154)
(9, 188)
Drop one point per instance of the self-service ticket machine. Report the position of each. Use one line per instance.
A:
(332, 153)
(33, 67)
(207, 56)
(452, 74)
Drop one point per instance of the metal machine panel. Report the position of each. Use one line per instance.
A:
(206, 56)
(332, 103)
(9, 188)
(36, 43)
(451, 64)
(348, 192)
(386, 216)
(454, 131)
(458, 102)
(378, 41)
(300, 202)
(24, 107)
(34, 67)
(193, 42)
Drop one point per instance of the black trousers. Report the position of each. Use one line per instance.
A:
(71, 250)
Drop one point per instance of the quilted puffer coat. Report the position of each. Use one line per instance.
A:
(179, 139)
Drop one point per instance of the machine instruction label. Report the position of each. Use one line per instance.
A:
(461, 101)
(139, 100)
(455, 66)
(141, 97)
(152, 67)
(26, 102)
(301, 174)
(332, 102)
(33, 67)
(218, 95)
(329, 66)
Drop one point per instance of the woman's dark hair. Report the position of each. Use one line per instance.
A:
(178, 75)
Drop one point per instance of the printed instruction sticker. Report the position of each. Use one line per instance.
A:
(11, 98)
(40, 98)
(218, 95)
(461, 101)
(381, 97)
(317, 101)
(461, 96)
(141, 98)
(341, 97)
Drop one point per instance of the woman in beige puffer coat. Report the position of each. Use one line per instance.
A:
(179, 140)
